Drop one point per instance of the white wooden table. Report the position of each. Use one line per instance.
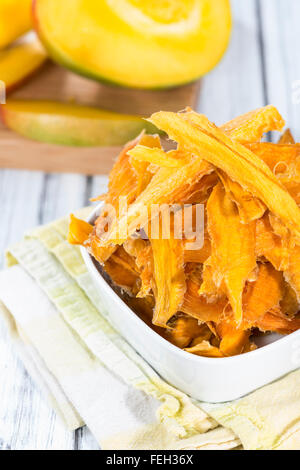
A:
(261, 66)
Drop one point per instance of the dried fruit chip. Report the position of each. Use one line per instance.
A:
(233, 247)
(79, 231)
(251, 126)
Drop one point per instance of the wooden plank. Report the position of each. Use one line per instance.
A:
(26, 419)
(20, 193)
(62, 194)
(56, 83)
(21, 153)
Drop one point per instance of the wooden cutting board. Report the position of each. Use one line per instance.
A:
(53, 82)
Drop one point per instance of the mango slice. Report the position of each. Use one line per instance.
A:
(141, 252)
(15, 20)
(70, 124)
(292, 273)
(264, 294)
(122, 270)
(136, 43)
(169, 277)
(278, 323)
(251, 126)
(205, 349)
(233, 248)
(280, 158)
(19, 62)
(200, 255)
(250, 208)
(233, 339)
(269, 245)
(126, 181)
(187, 329)
(287, 137)
(158, 157)
(79, 231)
(199, 307)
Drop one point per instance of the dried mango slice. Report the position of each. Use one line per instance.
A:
(198, 306)
(122, 182)
(249, 207)
(198, 256)
(123, 177)
(205, 349)
(201, 122)
(292, 185)
(281, 231)
(289, 304)
(200, 192)
(233, 339)
(263, 294)
(126, 261)
(141, 251)
(121, 270)
(79, 231)
(287, 137)
(277, 323)
(269, 245)
(233, 247)
(209, 289)
(278, 157)
(171, 159)
(205, 334)
(142, 169)
(169, 277)
(127, 181)
(185, 330)
(239, 163)
(292, 273)
(251, 126)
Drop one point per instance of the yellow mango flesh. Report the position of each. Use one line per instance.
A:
(136, 43)
(70, 124)
(15, 20)
(19, 62)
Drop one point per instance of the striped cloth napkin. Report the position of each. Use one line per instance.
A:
(59, 326)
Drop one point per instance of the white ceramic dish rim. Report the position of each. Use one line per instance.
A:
(191, 357)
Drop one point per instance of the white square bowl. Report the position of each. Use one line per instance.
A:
(206, 379)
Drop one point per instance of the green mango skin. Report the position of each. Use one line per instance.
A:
(71, 124)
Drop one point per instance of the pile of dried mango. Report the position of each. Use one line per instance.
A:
(245, 279)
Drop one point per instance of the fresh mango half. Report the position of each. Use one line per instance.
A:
(15, 20)
(20, 61)
(135, 43)
(71, 124)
